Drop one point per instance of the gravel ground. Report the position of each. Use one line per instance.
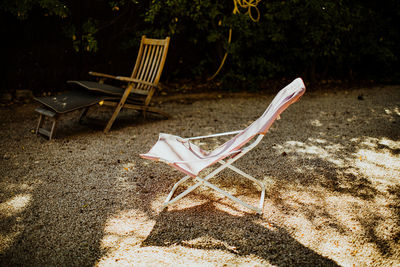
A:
(331, 167)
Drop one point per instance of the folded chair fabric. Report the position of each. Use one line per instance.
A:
(111, 93)
(100, 87)
(185, 156)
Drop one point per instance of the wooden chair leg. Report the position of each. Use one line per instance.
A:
(147, 102)
(118, 108)
(113, 117)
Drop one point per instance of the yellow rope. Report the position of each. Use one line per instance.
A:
(249, 5)
(245, 4)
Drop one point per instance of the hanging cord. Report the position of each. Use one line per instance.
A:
(249, 5)
(245, 4)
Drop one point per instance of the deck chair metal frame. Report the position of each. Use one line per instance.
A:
(224, 164)
(144, 79)
(185, 156)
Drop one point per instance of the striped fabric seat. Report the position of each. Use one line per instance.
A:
(185, 156)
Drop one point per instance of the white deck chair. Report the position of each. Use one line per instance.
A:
(185, 156)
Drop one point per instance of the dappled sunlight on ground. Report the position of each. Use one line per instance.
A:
(15, 205)
(334, 204)
(124, 232)
(331, 168)
(379, 160)
(343, 218)
(10, 209)
(344, 223)
(16, 198)
(317, 147)
(335, 225)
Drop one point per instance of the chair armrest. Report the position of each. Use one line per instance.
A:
(128, 79)
(102, 75)
(213, 135)
(120, 78)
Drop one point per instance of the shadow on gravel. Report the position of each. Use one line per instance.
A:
(83, 198)
(205, 227)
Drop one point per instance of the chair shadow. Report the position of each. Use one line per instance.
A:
(206, 227)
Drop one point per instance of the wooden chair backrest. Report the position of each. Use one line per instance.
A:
(149, 64)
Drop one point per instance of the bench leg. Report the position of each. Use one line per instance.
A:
(40, 124)
(53, 128)
(50, 115)
(83, 114)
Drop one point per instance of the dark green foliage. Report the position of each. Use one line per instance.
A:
(315, 39)
(22, 8)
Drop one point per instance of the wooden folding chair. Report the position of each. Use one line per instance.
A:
(144, 80)
(190, 159)
(140, 88)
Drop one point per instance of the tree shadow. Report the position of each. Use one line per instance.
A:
(205, 227)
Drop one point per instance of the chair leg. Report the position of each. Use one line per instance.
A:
(193, 187)
(184, 179)
(118, 108)
(112, 119)
(262, 186)
(204, 181)
(144, 113)
(53, 128)
(52, 116)
(83, 114)
(40, 124)
(235, 199)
